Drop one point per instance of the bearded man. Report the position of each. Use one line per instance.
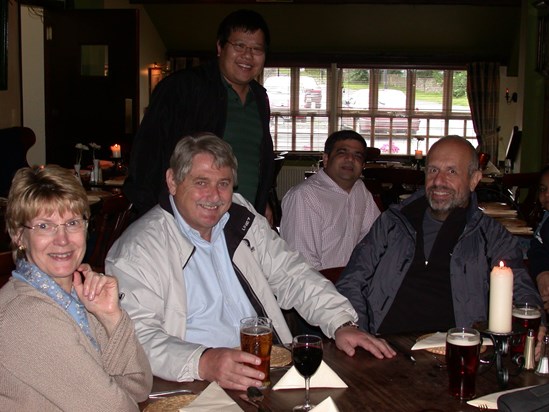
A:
(425, 264)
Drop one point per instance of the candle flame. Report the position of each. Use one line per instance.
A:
(501, 264)
(116, 146)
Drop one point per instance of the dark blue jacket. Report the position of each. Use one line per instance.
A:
(381, 260)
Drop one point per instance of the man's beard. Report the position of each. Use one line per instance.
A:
(448, 205)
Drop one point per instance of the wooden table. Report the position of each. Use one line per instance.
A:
(395, 384)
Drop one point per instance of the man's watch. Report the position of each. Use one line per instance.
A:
(350, 323)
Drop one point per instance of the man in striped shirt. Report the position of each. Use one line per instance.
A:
(325, 216)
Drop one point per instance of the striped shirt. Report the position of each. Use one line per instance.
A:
(324, 222)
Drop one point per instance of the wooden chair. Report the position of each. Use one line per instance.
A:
(106, 226)
(522, 189)
(6, 266)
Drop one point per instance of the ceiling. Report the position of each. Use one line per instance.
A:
(498, 3)
(379, 29)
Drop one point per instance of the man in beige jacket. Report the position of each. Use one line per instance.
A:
(197, 263)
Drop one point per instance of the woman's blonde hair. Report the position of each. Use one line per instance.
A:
(45, 189)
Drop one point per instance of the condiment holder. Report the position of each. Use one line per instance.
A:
(502, 343)
(543, 364)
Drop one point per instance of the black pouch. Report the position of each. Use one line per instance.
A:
(534, 399)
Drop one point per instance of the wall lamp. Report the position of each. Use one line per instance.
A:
(157, 73)
(510, 98)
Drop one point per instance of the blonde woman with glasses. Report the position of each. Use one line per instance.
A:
(65, 342)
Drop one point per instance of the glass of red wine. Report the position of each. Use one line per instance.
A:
(307, 356)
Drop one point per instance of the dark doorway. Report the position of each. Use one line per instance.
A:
(91, 82)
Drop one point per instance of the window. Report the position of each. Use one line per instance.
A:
(396, 110)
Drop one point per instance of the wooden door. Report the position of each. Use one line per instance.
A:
(91, 81)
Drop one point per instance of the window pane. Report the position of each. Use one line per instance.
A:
(355, 89)
(429, 90)
(277, 81)
(312, 89)
(391, 95)
(460, 104)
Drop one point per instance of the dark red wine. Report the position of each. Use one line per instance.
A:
(307, 359)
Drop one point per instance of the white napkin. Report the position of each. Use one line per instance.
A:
(213, 398)
(324, 377)
(491, 400)
(437, 340)
(327, 405)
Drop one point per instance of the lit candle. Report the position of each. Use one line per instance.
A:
(419, 154)
(501, 299)
(116, 151)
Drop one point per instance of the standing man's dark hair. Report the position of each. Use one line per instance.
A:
(245, 20)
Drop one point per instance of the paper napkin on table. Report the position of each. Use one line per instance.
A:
(213, 398)
(491, 400)
(324, 377)
(327, 405)
(437, 340)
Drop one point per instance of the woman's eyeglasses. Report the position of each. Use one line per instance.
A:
(48, 229)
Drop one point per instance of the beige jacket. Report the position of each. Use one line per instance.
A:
(48, 364)
(148, 260)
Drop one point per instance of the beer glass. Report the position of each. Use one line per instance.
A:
(462, 360)
(525, 316)
(256, 337)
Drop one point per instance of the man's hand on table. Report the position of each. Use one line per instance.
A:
(228, 368)
(349, 337)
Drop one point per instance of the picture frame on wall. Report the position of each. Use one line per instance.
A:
(3, 44)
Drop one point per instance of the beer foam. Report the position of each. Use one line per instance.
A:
(463, 339)
(256, 330)
(526, 313)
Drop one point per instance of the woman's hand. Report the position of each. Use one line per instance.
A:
(99, 294)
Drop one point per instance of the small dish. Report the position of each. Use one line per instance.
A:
(171, 404)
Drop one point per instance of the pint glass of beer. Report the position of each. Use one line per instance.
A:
(525, 316)
(256, 337)
(462, 360)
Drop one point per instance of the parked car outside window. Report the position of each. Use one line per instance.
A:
(278, 90)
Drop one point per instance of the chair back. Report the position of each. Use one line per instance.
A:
(522, 188)
(6, 266)
(15, 141)
(388, 183)
(106, 226)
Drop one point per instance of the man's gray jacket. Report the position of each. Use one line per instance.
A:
(381, 260)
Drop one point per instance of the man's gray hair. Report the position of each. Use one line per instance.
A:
(473, 164)
(188, 147)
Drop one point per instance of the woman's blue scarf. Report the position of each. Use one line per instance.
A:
(29, 273)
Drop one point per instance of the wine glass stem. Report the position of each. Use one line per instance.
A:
(307, 384)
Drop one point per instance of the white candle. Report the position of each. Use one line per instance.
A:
(116, 151)
(419, 154)
(501, 299)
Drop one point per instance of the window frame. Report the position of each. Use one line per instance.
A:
(332, 111)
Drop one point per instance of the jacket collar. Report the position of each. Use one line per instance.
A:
(240, 221)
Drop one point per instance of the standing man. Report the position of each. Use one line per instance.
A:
(325, 216)
(203, 259)
(425, 264)
(220, 97)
